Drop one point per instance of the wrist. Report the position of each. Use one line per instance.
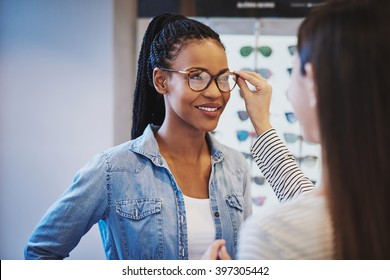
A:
(262, 127)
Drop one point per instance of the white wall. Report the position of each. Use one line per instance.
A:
(56, 108)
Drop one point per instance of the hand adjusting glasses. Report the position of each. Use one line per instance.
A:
(199, 79)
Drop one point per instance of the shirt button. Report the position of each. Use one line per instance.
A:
(216, 214)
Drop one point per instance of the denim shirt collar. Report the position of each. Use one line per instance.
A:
(147, 145)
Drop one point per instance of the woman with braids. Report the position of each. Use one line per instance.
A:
(173, 189)
(340, 92)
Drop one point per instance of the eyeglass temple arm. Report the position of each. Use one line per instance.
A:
(172, 70)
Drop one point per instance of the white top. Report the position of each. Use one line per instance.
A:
(200, 226)
(299, 228)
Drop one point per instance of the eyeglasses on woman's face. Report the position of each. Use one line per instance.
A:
(200, 79)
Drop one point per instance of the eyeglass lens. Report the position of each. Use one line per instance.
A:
(199, 80)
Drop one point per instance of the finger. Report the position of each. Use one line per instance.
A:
(212, 250)
(223, 254)
(253, 79)
(242, 83)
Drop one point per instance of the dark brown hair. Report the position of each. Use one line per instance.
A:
(348, 44)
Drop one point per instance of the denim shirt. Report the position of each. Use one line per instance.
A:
(131, 193)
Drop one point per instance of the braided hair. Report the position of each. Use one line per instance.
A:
(161, 44)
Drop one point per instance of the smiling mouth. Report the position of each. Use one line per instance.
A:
(208, 109)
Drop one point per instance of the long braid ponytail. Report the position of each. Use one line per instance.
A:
(162, 40)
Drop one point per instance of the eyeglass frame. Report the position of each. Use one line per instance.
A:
(212, 77)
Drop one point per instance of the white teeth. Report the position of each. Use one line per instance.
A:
(208, 109)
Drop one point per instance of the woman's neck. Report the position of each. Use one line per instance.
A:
(188, 157)
(181, 141)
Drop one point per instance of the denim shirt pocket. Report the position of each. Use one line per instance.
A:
(236, 210)
(141, 227)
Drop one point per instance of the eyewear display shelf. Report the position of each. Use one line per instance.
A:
(266, 46)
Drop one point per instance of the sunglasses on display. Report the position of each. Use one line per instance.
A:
(290, 116)
(309, 161)
(264, 72)
(293, 138)
(243, 115)
(247, 155)
(258, 200)
(292, 49)
(259, 180)
(242, 135)
(266, 51)
(200, 79)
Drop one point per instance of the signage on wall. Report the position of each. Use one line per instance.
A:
(263, 8)
(228, 8)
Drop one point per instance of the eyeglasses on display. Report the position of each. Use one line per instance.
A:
(243, 115)
(309, 161)
(259, 180)
(264, 72)
(292, 49)
(266, 51)
(242, 135)
(247, 155)
(258, 200)
(290, 116)
(200, 79)
(292, 138)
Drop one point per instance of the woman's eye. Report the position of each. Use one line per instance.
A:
(196, 77)
(199, 76)
(223, 78)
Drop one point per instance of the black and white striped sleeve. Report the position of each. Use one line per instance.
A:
(279, 167)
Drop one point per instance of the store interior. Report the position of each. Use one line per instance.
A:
(59, 61)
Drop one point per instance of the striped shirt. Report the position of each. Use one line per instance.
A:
(298, 229)
(279, 166)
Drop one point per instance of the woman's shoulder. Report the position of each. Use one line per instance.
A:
(300, 228)
(114, 158)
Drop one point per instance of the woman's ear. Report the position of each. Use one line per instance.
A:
(311, 85)
(160, 80)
